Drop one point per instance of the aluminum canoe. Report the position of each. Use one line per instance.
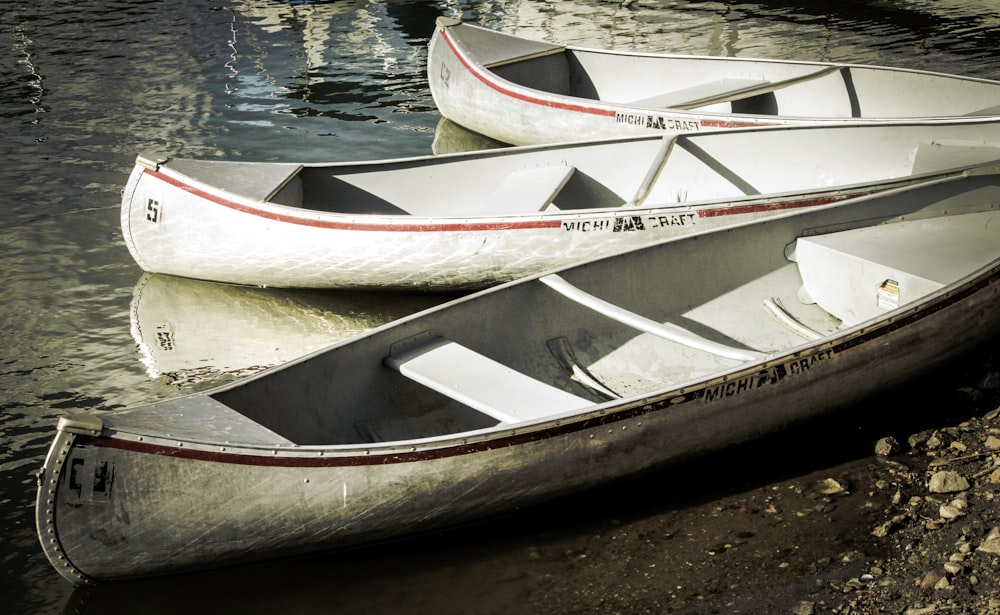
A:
(469, 220)
(534, 389)
(523, 91)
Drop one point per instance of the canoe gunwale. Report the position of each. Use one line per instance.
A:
(752, 201)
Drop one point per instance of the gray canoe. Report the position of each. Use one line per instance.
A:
(534, 389)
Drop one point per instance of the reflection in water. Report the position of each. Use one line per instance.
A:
(190, 331)
(450, 138)
(27, 87)
(351, 62)
(312, 19)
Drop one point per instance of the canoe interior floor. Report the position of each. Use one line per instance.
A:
(644, 362)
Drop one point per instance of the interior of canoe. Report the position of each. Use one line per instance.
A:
(651, 320)
(745, 86)
(682, 170)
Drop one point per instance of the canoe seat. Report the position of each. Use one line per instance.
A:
(861, 273)
(260, 182)
(702, 94)
(668, 331)
(482, 383)
(526, 191)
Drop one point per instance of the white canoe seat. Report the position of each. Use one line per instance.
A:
(861, 273)
(727, 90)
(668, 331)
(260, 182)
(482, 383)
(702, 94)
(526, 191)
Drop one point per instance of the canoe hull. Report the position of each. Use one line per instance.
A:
(605, 92)
(116, 505)
(197, 234)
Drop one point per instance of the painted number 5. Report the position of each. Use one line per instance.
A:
(153, 211)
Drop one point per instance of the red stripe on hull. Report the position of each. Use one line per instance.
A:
(520, 95)
(777, 206)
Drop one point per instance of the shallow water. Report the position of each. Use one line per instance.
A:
(85, 85)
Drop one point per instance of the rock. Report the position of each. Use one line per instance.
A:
(949, 512)
(887, 446)
(991, 544)
(993, 443)
(936, 440)
(947, 481)
(994, 477)
(830, 486)
(918, 439)
(931, 579)
(805, 608)
(886, 528)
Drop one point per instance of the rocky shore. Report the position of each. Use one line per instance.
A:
(910, 528)
(941, 532)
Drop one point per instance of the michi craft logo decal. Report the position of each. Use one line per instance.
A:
(766, 376)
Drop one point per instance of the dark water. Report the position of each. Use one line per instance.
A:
(85, 85)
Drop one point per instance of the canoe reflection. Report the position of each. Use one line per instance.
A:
(191, 331)
(452, 138)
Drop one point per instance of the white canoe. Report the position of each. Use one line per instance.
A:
(524, 91)
(474, 219)
(534, 389)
